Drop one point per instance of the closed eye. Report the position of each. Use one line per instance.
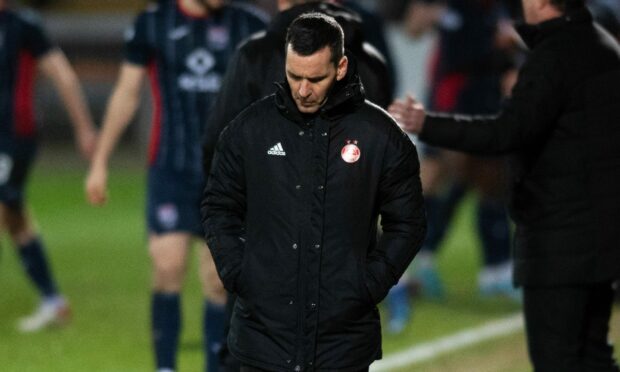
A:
(313, 80)
(317, 79)
(293, 76)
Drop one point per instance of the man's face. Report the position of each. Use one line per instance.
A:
(311, 77)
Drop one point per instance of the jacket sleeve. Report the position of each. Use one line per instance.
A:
(237, 92)
(527, 119)
(403, 219)
(223, 208)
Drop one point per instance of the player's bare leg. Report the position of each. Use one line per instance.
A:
(169, 254)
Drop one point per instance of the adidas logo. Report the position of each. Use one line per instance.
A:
(277, 150)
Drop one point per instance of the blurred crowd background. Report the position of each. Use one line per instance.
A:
(429, 47)
(453, 55)
(91, 34)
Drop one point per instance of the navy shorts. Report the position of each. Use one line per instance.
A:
(173, 202)
(16, 159)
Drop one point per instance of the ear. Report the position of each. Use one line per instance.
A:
(342, 68)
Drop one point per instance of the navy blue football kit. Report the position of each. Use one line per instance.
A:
(22, 43)
(186, 57)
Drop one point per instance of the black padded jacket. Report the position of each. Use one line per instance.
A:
(563, 126)
(259, 63)
(290, 214)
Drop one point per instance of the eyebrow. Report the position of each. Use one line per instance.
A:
(313, 79)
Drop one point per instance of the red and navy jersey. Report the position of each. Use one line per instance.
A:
(465, 76)
(22, 42)
(186, 58)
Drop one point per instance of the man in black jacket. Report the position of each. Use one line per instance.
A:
(260, 62)
(290, 212)
(562, 125)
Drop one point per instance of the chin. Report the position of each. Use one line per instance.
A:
(307, 110)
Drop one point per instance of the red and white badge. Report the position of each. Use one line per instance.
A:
(350, 152)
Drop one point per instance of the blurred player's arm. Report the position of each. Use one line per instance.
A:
(57, 68)
(121, 108)
(527, 117)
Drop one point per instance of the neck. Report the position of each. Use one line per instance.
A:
(548, 13)
(193, 8)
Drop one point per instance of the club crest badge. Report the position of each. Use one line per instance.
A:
(168, 216)
(351, 152)
(218, 37)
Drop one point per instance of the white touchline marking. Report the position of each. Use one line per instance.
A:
(432, 349)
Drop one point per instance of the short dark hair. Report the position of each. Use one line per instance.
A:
(312, 32)
(565, 5)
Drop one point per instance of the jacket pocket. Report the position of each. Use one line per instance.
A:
(363, 290)
(240, 282)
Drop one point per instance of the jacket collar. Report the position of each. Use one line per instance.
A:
(532, 35)
(344, 97)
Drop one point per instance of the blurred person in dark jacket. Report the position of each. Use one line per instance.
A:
(290, 212)
(607, 14)
(259, 63)
(373, 27)
(561, 124)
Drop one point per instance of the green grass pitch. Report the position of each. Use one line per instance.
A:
(100, 259)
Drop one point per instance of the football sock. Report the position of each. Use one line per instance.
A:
(213, 330)
(434, 230)
(439, 211)
(166, 326)
(32, 255)
(494, 232)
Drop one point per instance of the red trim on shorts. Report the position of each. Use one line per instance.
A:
(23, 112)
(157, 112)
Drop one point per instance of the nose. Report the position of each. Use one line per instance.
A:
(304, 89)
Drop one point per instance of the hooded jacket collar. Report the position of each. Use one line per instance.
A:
(532, 35)
(344, 97)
